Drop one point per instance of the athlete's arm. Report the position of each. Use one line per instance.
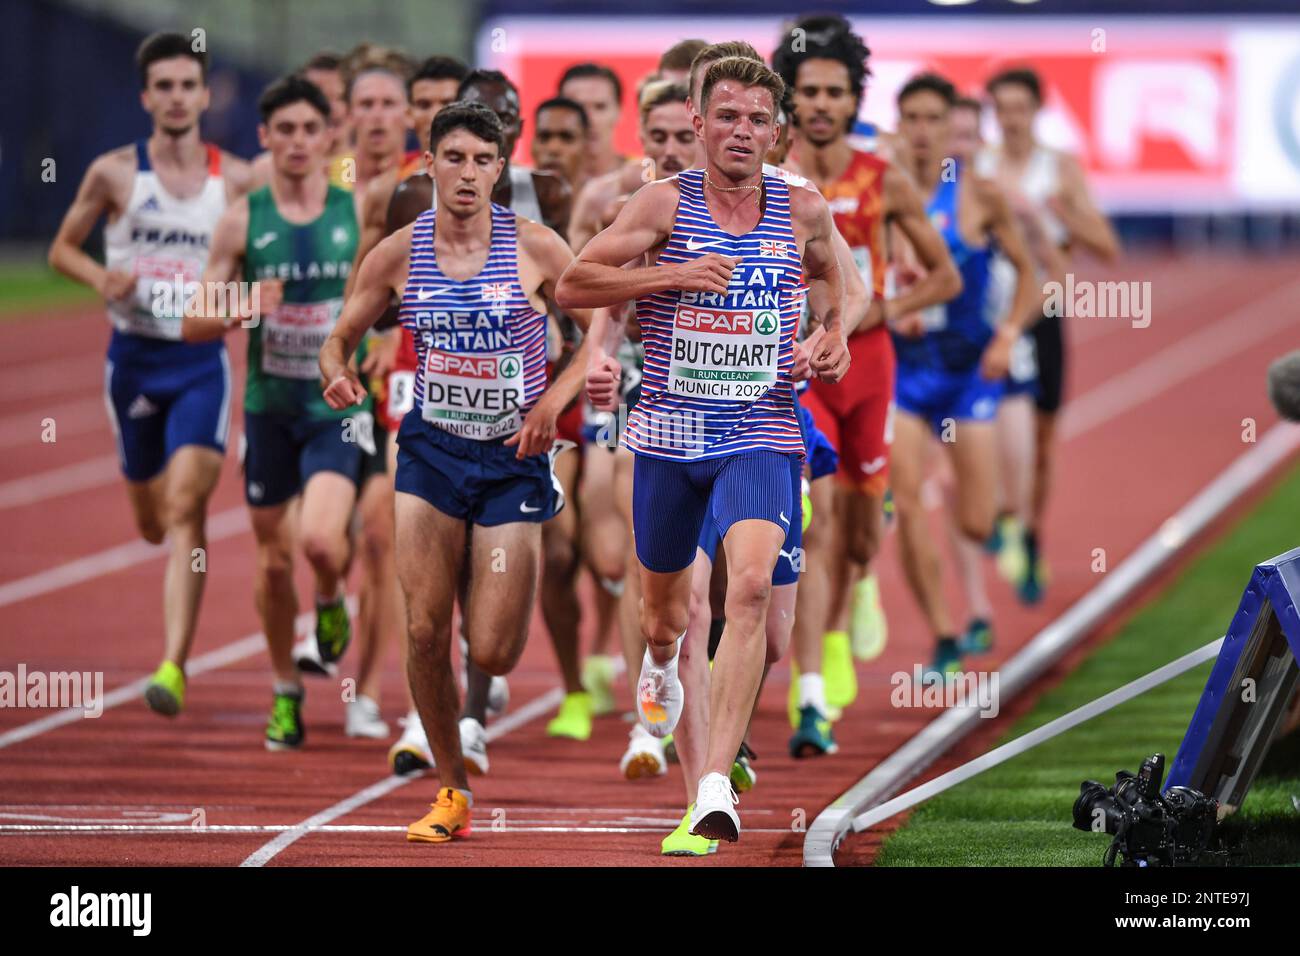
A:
(95, 197)
(584, 222)
(224, 265)
(382, 274)
(1086, 224)
(238, 174)
(1005, 230)
(537, 434)
(829, 356)
(374, 213)
(941, 281)
(597, 276)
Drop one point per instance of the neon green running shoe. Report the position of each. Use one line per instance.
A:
(837, 670)
(792, 698)
(807, 505)
(333, 630)
(574, 719)
(743, 775)
(681, 843)
(598, 681)
(285, 731)
(1011, 555)
(165, 693)
(868, 629)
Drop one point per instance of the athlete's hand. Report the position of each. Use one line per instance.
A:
(603, 376)
(711, 272)
(344, 390)
(830, 360)
(116, 285)
(270, 294)
(538, 432)
(996, 359)
(382, 356)
(803, 353)
(910, 326)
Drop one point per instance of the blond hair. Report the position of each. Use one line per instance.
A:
(747, 73)
(719, 51)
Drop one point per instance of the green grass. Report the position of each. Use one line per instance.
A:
(1018, 813)
(31, 286)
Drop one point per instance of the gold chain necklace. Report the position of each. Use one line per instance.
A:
(729, 189)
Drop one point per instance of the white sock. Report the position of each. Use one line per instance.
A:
(287, 687)
(812, 692)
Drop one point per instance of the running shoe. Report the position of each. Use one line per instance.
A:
(574, 719)
(887, 508)
(165, 693)
(681, 843)
(361, 719)
(792, 700)
(813, 738)
(807, 504)
(978, 638)
(644, 757)
(411, 753)
(658, 696)
(306, 657)
(473, 746)
(333, 630)
(285, 731)
(993, 543)
(1011, 548)
(1033, 582)
(714, 815)
(598, 681)
(743, 775)
(837, 669)
(947, 660)
(498, 696)
(446, 818)
(670, 749)
(868, 629)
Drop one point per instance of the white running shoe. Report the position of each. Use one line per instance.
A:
(713, 815)
(498, 696)
(361, 719)
(473, 745)
(411, 753)
(644, 757)
(306, 656)
(659, 695)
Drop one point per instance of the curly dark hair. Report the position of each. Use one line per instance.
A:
(823, 36)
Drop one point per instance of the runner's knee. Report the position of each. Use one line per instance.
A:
(749, 589)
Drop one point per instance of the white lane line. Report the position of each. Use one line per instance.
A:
(1052, 643)
(81, 476)
(1241, 329)
(264, 854)
(515, 826)
(70, 419)
(222, 525)
(50, 376)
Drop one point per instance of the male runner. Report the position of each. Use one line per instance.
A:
(716, 409)
(827, 73)
(951, 360)
(474, 280)
(599, 90)
(560, 141)
(675, 64)
(1050, 183)
(169, 401)
(295, 238)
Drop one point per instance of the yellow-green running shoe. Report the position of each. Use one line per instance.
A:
(333, 630)
(1011, 554)
(807, 505)
(681, 843)
(574, 719)
(837, 670)
(165, 693)
(792, 698)
(285, 731)
(598, 681)
(743, 775)
(868, 629)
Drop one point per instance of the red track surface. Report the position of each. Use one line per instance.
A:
(1157, 412)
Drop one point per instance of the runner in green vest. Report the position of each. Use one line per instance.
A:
(292, 243)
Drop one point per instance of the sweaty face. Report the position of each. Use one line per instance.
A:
(175, 94)
(964, 127)
(331, 84)
(465, 169)
(596, 95)
(427, 97)
(559, 143)
(823, 100)
(668, 138)
(1015, 109)
(738, 128)
(378, 113)
(296, 136)
(923, 121)
(503, 101)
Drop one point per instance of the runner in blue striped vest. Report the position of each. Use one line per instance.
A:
(474, 281)
(715, 430)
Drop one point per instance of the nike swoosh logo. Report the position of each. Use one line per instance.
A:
(784, 518)
(523, 506)
(264, 240)
(692, 245)
(425, 294)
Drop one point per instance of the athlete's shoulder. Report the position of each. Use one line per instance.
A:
(788, 176)
(114, 170)
(536, 237)
(807, 205)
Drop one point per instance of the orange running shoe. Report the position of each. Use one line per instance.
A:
(446, 818)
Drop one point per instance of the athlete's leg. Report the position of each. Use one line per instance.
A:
(559, 597)
(691, 736)
(501, 595)
(380, 606)
(430, 552)
(188, 482)
(327, 502)
(821, 592)
(273, 590)
(1016, 444)
(918, 553)
(633, 642)
(146, 499)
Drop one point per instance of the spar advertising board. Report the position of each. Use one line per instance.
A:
(1192, 114)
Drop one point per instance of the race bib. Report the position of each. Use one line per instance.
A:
(862, 258)
(934, 318)
(401, 394)
(163, 285)
(474, 396)
(292, 337)
(1023, 366)
(731, 355)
